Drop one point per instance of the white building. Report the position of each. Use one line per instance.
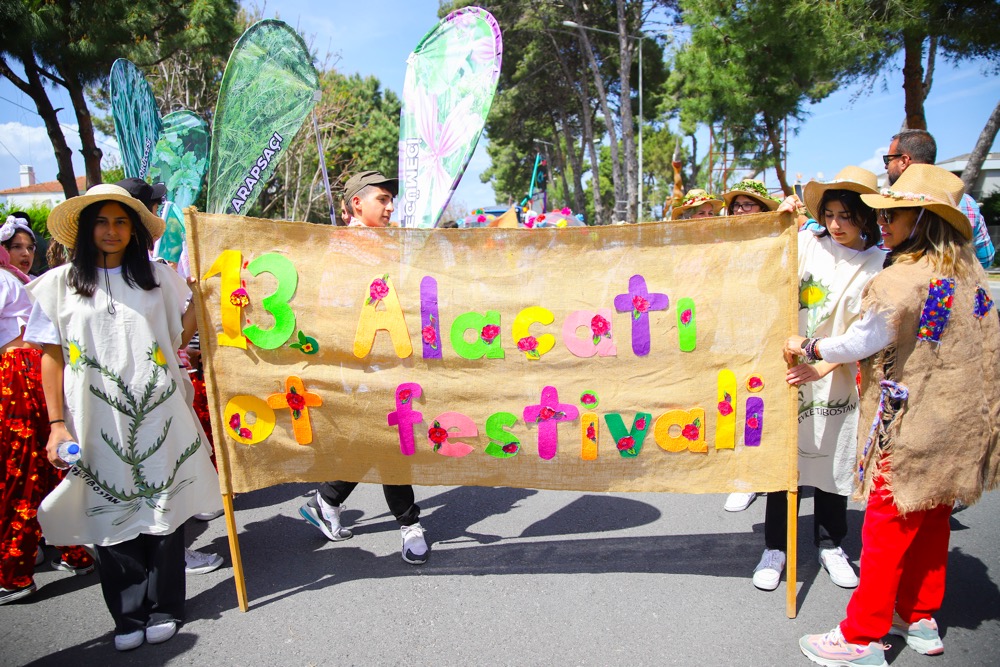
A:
(49, 193)
(989, 176)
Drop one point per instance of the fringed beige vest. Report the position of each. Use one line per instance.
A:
(940, 443)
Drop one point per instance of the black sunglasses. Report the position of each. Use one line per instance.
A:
(886, 159)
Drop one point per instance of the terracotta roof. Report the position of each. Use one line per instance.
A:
(47, 186)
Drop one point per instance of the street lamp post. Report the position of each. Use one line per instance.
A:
(639, 38)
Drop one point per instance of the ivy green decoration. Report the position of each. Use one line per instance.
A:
(136, 406)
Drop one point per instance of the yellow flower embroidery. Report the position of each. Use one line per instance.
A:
(74, 353)
(157, 356)
(812, 294)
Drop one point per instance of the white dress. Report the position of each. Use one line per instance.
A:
(145, 465)
(831, 279)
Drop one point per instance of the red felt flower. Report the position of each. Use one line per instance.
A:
(691, 432)
(591, 433)
(640, 424)
(429, 335)
(588, 399)
(378, 290)
(686, 317)
(640, 304)
(725, 408)
(245, 433)
(295, 401)
(489, 333)
(754, 383)
(239, 298)
(626, 443)
(404, 395)
(234, 421)
(527, 344)
(510, 448)
(436, 434)
(600, 326)
(753, 422)
(546, 413)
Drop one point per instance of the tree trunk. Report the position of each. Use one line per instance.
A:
(609, 123)
(34, 89)
(913, 80)
(695, 167)
(625, 109)
(558, 127)
(91, 153)
(776, 151)
(971, 172)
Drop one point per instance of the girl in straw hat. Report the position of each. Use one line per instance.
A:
(929, 339)
(697, 204)
(110, 323)
(834, 267)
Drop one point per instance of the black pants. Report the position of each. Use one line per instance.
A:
(399, 498)
(829, 519)
(143, 580)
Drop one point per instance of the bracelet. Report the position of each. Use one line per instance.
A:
(811, 350)
(56, 421)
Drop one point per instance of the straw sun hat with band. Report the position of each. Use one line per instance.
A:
(852, 179)
(696, 199)
(753, 189)
(65, 218)
(929, 187)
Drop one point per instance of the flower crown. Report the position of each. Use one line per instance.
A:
(756, 187)
(698, 199)
(911, 196)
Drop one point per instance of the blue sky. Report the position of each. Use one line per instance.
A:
(852, 126)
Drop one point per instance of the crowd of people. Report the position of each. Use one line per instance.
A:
(96, 352)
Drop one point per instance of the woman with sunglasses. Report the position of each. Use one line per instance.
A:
(929, 338)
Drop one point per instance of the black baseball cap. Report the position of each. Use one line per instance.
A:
(143, 191)
(366, 178)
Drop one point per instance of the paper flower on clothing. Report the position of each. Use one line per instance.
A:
(156, 356)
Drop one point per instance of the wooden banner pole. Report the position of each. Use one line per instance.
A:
(234, 551)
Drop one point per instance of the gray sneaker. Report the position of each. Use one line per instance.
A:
(326, 517)
(414, 545)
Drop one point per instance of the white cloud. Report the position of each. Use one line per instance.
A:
(29, 144)
(874, 163)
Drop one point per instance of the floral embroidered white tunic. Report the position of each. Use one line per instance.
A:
(145, 465)
(831, 279)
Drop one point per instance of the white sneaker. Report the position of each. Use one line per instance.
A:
(767, 574)
(130, 640)
(161, 632)
(414, 544)
(737, 502)
(199, 562)
(835, 562)
(208, 516)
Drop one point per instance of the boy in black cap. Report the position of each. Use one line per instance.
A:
(368, 199)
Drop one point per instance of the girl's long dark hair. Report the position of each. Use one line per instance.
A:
(863, 216)
(136, 267)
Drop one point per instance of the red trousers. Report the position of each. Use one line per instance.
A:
(903, 565)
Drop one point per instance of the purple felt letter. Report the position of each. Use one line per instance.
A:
(404, 416)
(547, 414)
(639, 302)
(430, 321)
(755, 421)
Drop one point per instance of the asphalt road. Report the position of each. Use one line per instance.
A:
(516, 577)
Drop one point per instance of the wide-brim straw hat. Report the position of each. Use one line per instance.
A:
(696, 199)
(853, 179)
(930, 187)
(753, 189)
(64, 219)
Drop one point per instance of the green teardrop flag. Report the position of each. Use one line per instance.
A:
(136, 116)
(180, 161)
(268, 89)
(450, 82)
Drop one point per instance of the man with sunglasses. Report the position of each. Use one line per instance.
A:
(918, 147)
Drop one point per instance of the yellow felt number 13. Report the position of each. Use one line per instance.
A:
(227, 265)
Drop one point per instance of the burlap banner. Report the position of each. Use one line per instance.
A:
(625, 358)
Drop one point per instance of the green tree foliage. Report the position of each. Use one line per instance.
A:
(751, 66)
(72, 44)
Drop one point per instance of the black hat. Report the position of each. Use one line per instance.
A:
(143, 191)
(366, 178)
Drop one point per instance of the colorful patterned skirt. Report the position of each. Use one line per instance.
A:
(27, 474)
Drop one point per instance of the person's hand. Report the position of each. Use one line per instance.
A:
(801, 374)
(57, 435)
(793, 350)
(791, 203)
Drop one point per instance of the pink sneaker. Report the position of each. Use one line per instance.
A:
(833, 650)
(922, 636)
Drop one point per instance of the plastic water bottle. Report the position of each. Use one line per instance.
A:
(69, 452)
